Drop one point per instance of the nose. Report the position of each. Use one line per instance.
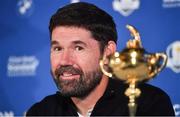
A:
(66, 58)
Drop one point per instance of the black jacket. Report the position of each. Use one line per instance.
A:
(153, 101)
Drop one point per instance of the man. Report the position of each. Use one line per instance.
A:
(81, 35)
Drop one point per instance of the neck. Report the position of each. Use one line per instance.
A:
(88, 103)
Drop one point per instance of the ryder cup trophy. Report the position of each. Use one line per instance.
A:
(133, 65)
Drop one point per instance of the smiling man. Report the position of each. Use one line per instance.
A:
(76, 71)
(81, 35)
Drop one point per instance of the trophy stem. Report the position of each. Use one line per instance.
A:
(132, 92)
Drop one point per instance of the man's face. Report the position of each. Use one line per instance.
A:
(75, 59)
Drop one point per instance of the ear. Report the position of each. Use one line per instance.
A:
(110, 49)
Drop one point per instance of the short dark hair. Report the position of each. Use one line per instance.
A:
(87, 16)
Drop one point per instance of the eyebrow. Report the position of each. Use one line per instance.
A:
(79, 42)
(54, 42)
(74, 42)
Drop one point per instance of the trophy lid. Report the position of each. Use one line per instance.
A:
(136, 42)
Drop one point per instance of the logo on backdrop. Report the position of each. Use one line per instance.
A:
(173, 52)
(171, 3)
(177, 109)
(7, 114)
(74, 1)
(22, 66)
(25, 8)
(125, 7)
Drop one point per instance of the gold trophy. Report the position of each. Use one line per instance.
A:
(134, 65)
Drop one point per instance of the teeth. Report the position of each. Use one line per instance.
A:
(65, 74)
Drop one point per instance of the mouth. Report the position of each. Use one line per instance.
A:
(68, 73)
(69, 76)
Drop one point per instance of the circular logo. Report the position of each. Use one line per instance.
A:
(24, 8)
(125, 7)
(173, 52)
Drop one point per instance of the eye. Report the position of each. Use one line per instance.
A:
(56, 48)
(79, 48)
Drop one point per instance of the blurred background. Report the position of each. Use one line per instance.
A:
(25, 46)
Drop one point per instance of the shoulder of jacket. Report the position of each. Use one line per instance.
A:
(49, 103)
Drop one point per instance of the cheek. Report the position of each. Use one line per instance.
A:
(54, 62)
(89, 63)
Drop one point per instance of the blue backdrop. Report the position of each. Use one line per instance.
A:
(25, 45)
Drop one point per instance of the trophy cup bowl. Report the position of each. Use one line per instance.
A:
(132, 65)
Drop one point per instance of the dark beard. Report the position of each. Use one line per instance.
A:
(80, 87)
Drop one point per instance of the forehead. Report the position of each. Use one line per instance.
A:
(63, 34)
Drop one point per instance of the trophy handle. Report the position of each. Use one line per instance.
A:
(103, 70)
(158, 56)
(164, 57)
